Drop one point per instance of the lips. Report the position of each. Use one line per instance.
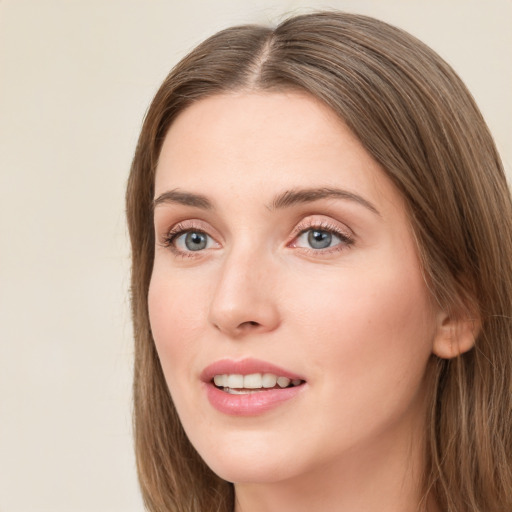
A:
(245, 367)
(249, 386)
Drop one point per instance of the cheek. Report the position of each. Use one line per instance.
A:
(175, 316)
(371, 331)
(367, 345)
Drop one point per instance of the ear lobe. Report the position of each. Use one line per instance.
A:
(455, 335)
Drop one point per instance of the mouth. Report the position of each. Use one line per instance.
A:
(238, 384)
(249, 387)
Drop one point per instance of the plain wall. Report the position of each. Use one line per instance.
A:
(76, 77)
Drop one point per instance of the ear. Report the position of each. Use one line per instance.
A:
(455, 335)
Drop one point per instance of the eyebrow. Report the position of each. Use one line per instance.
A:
(184, 198)
(287, 199)
(309, 195)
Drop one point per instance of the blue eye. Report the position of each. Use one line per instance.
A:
(192, 241)
(318, 239)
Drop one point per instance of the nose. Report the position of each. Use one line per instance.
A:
(245, 298)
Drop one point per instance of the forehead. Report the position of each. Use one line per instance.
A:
(253, 143)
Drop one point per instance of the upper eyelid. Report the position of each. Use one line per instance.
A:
(190, 225)
(167, 235)
(326, 223)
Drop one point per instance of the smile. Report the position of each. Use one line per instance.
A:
(249, 387)
(238, 384)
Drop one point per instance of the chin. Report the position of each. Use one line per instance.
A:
(242, 472)
(256, 464)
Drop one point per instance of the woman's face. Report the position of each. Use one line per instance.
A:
(283, 251)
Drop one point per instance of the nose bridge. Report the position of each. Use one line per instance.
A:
(243, 300)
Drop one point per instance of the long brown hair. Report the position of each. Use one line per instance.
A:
(417, 119)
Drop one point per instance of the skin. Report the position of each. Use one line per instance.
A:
(355, 319)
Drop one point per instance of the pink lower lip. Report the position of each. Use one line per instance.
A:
(250, 404)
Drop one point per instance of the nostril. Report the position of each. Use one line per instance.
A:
(248, 324)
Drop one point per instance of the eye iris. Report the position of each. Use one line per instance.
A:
(319, 239)
(195, 241)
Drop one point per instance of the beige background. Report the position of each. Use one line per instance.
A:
(75, 79)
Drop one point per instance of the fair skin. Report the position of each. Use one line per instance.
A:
(326, 286)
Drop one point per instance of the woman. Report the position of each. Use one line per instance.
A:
(321, 235)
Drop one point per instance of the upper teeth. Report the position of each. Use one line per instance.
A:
(253, 381)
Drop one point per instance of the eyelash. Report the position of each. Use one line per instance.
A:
(180, 229)
(346, 240)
